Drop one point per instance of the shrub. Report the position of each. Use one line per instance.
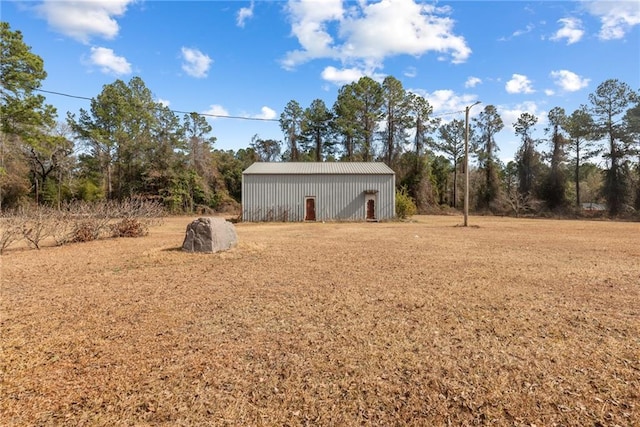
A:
(75, 222)
(85, 231)
(61, 227)
(405, 206)
(37, 226)
(10, 230)
(128, 227)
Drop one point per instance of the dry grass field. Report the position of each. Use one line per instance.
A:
(510, 322)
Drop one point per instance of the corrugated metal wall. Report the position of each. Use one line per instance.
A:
(338, 197)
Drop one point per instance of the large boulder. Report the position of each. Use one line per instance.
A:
(210, 235)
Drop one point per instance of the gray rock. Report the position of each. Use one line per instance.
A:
(210, 235)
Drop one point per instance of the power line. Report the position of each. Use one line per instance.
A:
(173, 111)
(449, 113)
(62, 94)
(228, 117)
(219, 116)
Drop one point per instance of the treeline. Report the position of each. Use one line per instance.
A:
(128, 145)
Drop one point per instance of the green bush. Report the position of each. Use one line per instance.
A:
(405, 206)
(88, 191)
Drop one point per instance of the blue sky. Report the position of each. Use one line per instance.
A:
(248, 59)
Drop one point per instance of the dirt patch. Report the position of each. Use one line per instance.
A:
(511, 322)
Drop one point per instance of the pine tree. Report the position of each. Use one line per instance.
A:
(610, 100)
(486, 126)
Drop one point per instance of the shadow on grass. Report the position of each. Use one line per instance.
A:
(176, 249)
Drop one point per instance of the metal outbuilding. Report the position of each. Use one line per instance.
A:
(305, 191)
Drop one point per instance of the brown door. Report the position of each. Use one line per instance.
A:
(371, 209)
(310, 209)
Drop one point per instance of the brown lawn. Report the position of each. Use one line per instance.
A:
(508, 322)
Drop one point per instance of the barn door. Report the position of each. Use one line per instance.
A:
(310, 209)
(370, 208)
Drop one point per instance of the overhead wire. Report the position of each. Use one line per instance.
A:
(220, 116)
(173, 111)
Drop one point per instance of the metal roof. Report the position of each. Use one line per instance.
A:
(318, 168)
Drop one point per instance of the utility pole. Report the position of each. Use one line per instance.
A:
(466, 163)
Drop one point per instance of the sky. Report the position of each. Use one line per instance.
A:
(248, 59)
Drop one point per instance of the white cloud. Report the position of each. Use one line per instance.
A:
(527, 29)
(549, 92)
(367, 33)
(266, 113)
(341, 77)
(245, 13)
(447, 101)
(411, 72)
(82, 20)
(393, 27)
(308, 25)
(519, 84)
(472, 82)
(216, 110)
(571, 30)
(569, 81)
(617, 17)
(196, 63)
(164, 102)
(109, 62)
(510, 115)
(518, 33)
